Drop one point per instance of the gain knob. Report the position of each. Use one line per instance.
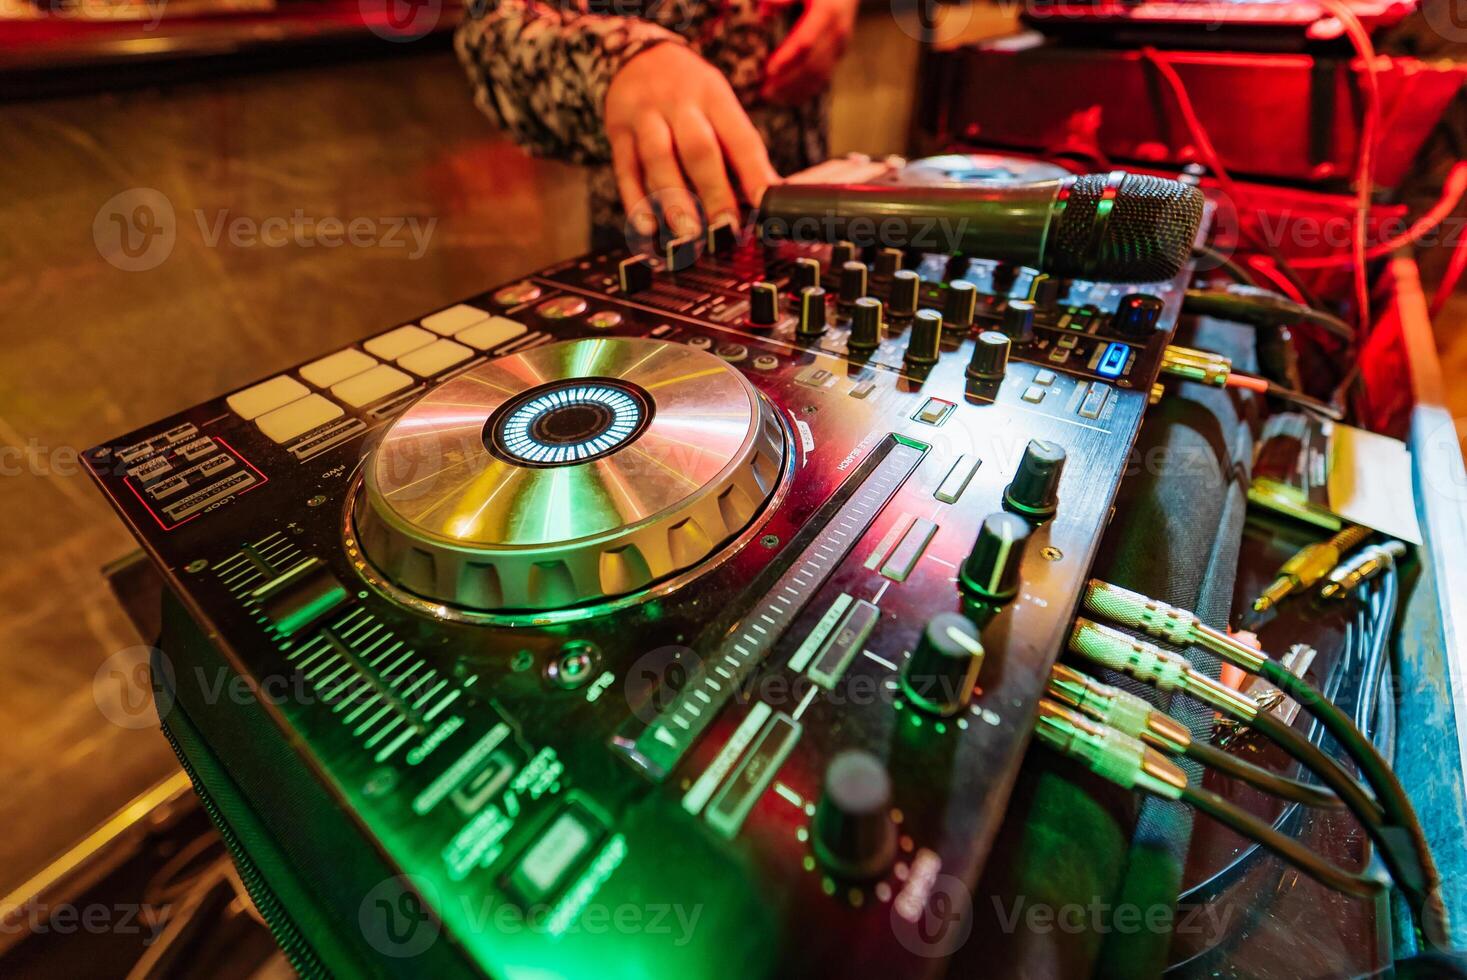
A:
(990, 356)
(812, 314)
(852, 284)
(1018, 321)
(855, 837)
(805, 274)
(991, 571)
(841, 253)
(906, 288)
(888, 262)
(959, 305)
(865, 334)
(925, 341)
(763, 305)
(1034, 491)
(1137, 315)
(939, 675)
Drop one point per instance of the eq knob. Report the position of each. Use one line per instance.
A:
(855, 836)
(865, 326)
(805, 274)
(990, 356)
(1137, 315)
(1018, 321)
(939, 675)
(906, 287)
(763, 305)
(852, 283)
(812, 314)
(841, 253)
(959, 305)
(991, 571)
(888, 262)
(925, 341)
(1034, 491)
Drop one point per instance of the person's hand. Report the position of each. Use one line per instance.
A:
(673, 121)
(801, 66)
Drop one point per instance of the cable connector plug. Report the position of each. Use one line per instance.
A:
(1118, 709)
(1309, 565)
(1110, 754)
(1360, 567)
(1196, 365)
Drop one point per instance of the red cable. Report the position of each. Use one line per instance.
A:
(1264, 267)
(1454, 272)
(1453, 188)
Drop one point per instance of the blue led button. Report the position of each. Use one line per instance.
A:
(1113, 360)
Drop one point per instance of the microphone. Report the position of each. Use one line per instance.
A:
(1120, 226)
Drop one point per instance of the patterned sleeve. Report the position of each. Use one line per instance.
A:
(542, 69)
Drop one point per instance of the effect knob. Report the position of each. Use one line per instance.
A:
(805, 274)
(959, 305)
(906, 287)
(812, 314)
(1034, 491)
(939, 675)
(852, 283)
(763, 304)
(1018, 321)
(855, 837)
(841, 253)
(990, 356)
(991, 571)
(865, 326)
(925, 341)
(1137, 315)
(888, 262)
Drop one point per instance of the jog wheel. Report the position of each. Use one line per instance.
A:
(567, 475)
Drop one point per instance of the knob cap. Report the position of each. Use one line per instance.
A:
(763, 304)
(855, 837)
(1034, 490)
(959, 305)
(991, 571)
(888, 262)
(1137, 315)
(925, 341)
(805, 274)
(852, 283)
(957, 266)
(841, 253)
(990, 356)
(906, 286)
(812, 314)
(939, 675)
(865, 326)
(634, 274)
(1018, 321)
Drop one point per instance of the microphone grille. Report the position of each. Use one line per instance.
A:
(1146, 236)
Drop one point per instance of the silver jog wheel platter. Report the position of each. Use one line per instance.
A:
(566, 475)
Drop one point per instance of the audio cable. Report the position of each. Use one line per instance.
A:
(1129, 763)
(1244, 303)
(1216, 370)
(1392, 823)
(1310, 564)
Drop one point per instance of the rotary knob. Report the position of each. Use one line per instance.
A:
(906, 286)
(959, 305)
(990, 356)
(805, 274)
(1034, 491)
(841, 253)
(1018, 321)
(991, 571)
(763, 305)
(812, 314)
(939, 675)
(925, 341)
(888, 262)
(1137, 315)
(865, 326)
(852, 283)
(855, 837)
(1044, 291)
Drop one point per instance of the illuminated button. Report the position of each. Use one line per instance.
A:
(732, 352)
(1034, 394)
(428, 361)
(862, 389)
(604, 319)
(934, 411)
(1059, 355)
(1113, 360)
(365, 388)
(766, 362)
(338, 367)
(266, 396)
(299, 416)
(553, 858)
(455, 318)
(490, 333)
(561, 307)
(815, 377)
(1044, 377)
(395, 343)
(1095, 400)
(516, 293)
(1068, 341)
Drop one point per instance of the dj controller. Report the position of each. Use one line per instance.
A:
(717, 581)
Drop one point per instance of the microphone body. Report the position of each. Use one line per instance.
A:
(1119, 226)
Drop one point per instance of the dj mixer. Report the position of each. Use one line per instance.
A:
(716, 581)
